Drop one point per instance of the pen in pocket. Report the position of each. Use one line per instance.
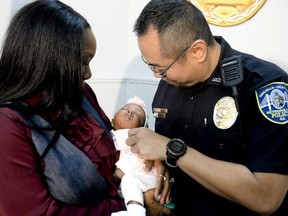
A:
(205, 122)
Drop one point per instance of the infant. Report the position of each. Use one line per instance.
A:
(135, 180)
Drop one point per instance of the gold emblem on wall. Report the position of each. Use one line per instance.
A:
(228, 12)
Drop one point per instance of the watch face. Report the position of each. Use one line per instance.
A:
(174, 150)
(177, 146)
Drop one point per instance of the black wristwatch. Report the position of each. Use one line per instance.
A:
(175, 148)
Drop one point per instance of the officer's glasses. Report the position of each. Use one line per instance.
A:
(164, 71)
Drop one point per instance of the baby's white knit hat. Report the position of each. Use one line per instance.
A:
(137, 100)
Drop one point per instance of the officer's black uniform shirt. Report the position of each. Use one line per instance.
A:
(260, 142)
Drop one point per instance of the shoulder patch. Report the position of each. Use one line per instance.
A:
(272, 101)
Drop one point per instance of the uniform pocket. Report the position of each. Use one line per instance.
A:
(220, 144)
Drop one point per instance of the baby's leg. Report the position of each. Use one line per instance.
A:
(133, 195)
(132, 188)
(132, 210)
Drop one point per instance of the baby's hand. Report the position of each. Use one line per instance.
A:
(118, 174)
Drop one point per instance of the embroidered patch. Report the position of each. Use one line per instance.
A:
(272, 101)
(225, 113)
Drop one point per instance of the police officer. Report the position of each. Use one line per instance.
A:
(221, 117)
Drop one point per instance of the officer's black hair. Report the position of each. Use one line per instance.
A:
(177, 22)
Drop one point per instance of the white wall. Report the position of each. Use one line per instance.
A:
(264, 35)
(118, 71)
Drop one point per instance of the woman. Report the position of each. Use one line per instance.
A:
(46, 111)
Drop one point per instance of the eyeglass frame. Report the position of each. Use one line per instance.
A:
(180, 55)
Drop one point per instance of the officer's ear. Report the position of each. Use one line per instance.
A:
(199, 50)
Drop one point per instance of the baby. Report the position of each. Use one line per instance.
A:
(131, 115)
(135, 180)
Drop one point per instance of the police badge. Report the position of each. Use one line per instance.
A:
(225, 113)
(272, 101)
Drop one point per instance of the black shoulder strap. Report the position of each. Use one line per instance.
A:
(87, 106)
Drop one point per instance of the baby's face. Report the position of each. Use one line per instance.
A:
(129, 116)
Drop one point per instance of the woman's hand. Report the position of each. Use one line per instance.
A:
(162, 190)
(153, 207)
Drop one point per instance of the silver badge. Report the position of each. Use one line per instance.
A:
(225, 113)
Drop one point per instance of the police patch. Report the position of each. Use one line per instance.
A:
(272, 101)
